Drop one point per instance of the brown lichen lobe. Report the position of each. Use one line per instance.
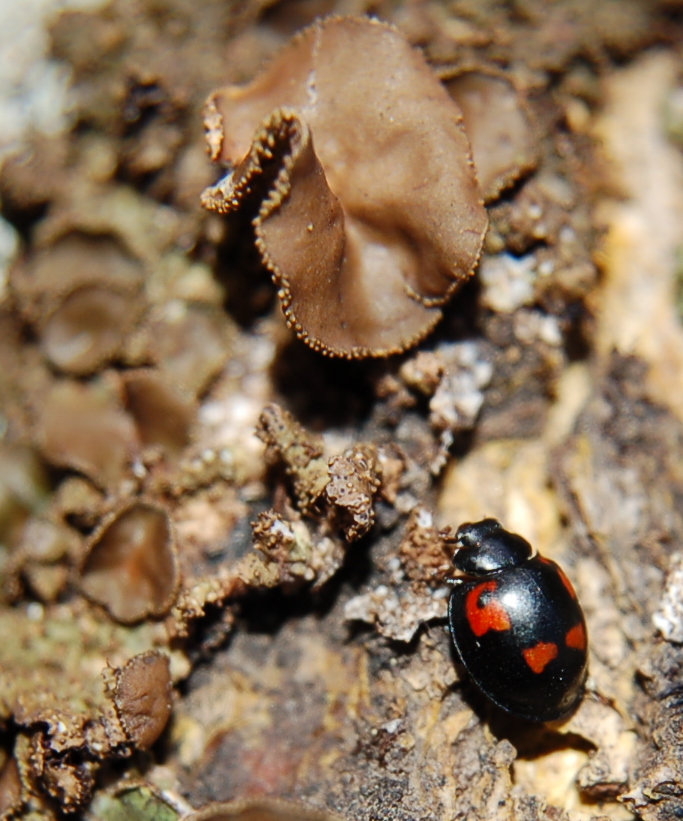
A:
(143, 697)
(81, 293)
(163, 414)
(371, 214)
(131, 566)
(499, 124)
(84, 427)
(88, 328)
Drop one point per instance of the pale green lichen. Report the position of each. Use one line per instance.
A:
(133, 804)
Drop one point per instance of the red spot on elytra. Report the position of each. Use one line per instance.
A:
(489, 616)
(541, 654)
(576, 637)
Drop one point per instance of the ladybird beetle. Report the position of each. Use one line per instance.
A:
(516, 623)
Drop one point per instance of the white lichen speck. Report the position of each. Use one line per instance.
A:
(668, 619)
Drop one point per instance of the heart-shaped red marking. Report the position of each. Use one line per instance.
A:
(489, 616)
(541, 654)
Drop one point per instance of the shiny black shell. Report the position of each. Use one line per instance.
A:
(517, 624)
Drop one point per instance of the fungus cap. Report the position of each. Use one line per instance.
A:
(370, 214)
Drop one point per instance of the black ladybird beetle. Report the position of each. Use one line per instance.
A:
(516, 623)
